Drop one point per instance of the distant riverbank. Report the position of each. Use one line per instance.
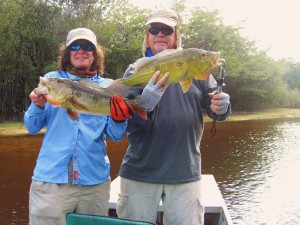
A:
(18, 128)
(266, 114)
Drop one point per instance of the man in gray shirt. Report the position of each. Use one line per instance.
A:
(163, 160)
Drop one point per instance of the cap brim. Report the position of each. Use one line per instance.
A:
(81, 37)
(170, 23)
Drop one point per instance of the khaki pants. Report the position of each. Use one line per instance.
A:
(49, 203)
(182, 203)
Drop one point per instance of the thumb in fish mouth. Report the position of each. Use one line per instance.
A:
(41, 90)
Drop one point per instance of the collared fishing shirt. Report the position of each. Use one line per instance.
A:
(82, 142)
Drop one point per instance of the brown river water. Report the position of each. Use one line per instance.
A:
(255, 163)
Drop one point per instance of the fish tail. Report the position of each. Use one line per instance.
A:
(142, 112)
(118, 88)
(138, 103)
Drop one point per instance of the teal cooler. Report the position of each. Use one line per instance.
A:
(83, 219)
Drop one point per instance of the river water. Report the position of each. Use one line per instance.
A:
(255, 163)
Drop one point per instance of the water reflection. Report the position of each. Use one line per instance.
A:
(256, 170)
(276, 197)
(255, 163)
(17, 158)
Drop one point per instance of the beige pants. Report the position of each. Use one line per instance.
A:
(182, 203)
(49, 203)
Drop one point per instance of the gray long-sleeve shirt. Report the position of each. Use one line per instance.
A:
(166, 148)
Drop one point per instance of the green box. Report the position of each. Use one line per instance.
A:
(83, 219)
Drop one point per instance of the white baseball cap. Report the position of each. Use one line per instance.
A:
(81, 33)
(165, 16)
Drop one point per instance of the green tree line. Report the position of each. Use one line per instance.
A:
(32, 30)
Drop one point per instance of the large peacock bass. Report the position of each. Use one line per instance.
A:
(85, 96)
(183, 65)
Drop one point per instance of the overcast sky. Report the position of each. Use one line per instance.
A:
(272, 24)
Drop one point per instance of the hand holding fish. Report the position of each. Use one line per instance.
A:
(162, 81)
(219, 102)
(38, 99)
(154, 90)
(120, 110)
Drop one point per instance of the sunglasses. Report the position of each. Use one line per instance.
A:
(165, 30)
(86, 47)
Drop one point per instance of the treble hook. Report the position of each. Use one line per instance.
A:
(220, 84)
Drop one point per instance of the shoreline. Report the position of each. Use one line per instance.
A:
(264, 114)
(18, 128)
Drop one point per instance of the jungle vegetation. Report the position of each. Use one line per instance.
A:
(32, 30)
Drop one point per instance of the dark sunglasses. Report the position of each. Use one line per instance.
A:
(86, 47)
(164, 30)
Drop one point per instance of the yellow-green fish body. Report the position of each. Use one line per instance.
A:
(183, 66)
(84, 96)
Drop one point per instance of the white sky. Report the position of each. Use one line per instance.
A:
(273, 24)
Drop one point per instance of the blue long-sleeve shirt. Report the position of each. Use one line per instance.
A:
(83, 141)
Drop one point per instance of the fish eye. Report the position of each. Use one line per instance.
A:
(202, 55)
(43, 81)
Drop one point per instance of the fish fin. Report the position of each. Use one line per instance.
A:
(116, 88)
(203, 76)
(142, 112)
(209, 71)
(89, 83)
(167, 52)
(73, 114)
(185, 85)
(142, 62)
(52, 101)
(139, 63)
(92, 85)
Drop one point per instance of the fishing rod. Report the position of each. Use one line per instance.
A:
(221, 75)
(220, 83)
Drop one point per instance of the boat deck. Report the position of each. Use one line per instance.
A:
(216, 212)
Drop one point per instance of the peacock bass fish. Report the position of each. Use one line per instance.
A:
(85, 96)
(184, 65)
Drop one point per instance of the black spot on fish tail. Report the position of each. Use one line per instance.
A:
(130, 95)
